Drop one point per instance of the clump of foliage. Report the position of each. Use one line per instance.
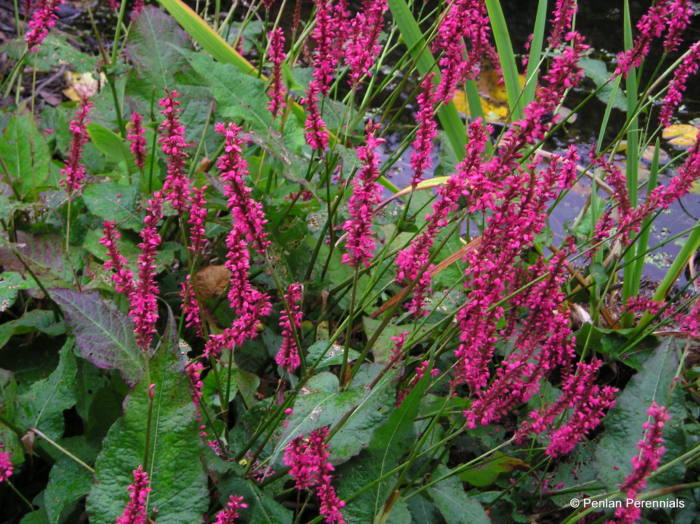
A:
(265, 272)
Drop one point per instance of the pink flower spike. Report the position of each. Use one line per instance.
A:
(316, 133)
(123, 278)
(363, 45)
(137, 141)
(562, 20)
(114, 5)
(190, 307)
(680, 13)
(229, 514)
(197, 219)
(421, 160)
(308, 460)
(366, 194)
(277, 91)
(135, 510)
(144, 299)
(5, 465)
(676, 88)
(43, 19)
(172, 140)
(73, 170)
(651, 450)
(290, 322)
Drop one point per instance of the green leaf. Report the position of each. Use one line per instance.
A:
(110, 143)
(389, 443)
(103, 334)
(597, 71)
(453, 502)
(154, 47)
(179, 485)
(44, 256)
(35, 320)
(486, 473)
(333, 357)
(240, 96)
(316, 410)
(42, 406)
(25, 155)
(383, 346)
(68, 483)
(10, 284)
(623, 423)
(114, 202)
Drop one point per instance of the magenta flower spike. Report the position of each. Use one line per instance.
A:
(308, 460)
(176, 187)
(366, 194)
(135, 510)
(190, 307)
(277, 91)
(197, 219)
(290, 321)
(676, 88)
(137, 140)
(562, 20)
(651, 450)
(421, 160)
(229, 515)
(73, 170)
(43, 19)
(316, 134)
(122, 277)
(5, 465)
(363, 46)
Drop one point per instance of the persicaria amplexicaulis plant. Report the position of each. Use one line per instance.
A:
(385, 261)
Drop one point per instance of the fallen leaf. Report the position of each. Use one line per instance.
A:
(681, 135)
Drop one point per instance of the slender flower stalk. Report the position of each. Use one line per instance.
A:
(651, 450)
(277, 91)
(229, 515)
(176, 188)
(421, 156)
(43, 19)
(308, 460)
(73, 170)
(135, 510)
(137, 140)
(290, 322)
(366, 194)
(676, 88)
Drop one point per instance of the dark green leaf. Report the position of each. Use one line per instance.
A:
(179, 486)
(68, 483)
(35, 320)
(25, 154)
(453, 502)
(114, 202)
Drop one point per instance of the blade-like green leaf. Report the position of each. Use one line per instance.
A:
(25, 155)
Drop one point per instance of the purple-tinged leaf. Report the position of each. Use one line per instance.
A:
(103, 334)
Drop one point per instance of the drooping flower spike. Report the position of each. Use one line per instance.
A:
(176, 187)
(290, 321)
(676, 88)
(73, 169)
(277, 91)
(137, 140)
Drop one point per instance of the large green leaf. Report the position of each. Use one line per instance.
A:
(326, 408)
(110, 143)
(453, 502)
(623, 423)
(114, 202)
(42, 406)
(153, 47)
(40, 320)
(68, 483)
(179, 486)
(24, 154)
(103, 334)
(389, 443)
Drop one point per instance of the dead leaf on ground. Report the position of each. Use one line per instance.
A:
(211, 282)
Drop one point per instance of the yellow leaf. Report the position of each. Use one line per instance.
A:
(681, 135)
(493, 96)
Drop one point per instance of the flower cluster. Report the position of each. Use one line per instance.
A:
(137, 140)
(190, 306)
(413, 261)
(73, 169)
(277, 90)
(564, 12)
(308, 460)
(363, 45)
(366, 195)
(666, 16)
(651, 450)
(122, 277)
(172, 140)
(229, 514)
(5, 465)
(197, 218)
(676, 88)
(42, 20)
(290, 322)
(135, 510)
